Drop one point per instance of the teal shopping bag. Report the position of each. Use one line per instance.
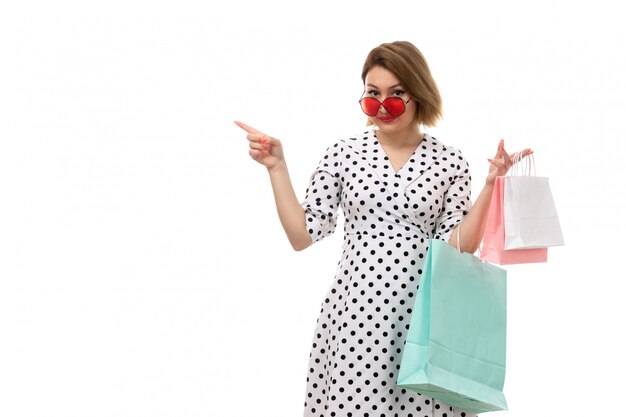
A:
(455, 350)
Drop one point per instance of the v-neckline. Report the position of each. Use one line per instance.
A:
(404, 164)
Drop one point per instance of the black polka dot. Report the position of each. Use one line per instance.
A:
(389, 218)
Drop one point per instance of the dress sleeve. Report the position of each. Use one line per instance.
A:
(323, 195)
(456, 201)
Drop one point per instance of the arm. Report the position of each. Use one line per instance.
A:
(268, 151)
(290, 212)
(474, 223)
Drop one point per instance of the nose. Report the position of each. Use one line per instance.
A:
(382, 108)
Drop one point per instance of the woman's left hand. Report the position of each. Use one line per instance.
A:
(501, 163)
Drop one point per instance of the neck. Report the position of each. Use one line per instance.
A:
(409, 137)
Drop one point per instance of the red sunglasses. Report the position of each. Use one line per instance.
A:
(394, 106)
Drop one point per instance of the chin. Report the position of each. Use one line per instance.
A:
(389, 127)
(397, 125)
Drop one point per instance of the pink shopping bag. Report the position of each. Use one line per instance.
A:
(493, 239)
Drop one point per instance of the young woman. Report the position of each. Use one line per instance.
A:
(398, 187)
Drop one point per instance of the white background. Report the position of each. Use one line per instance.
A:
(143, 270)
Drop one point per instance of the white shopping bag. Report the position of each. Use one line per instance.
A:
(530, 217)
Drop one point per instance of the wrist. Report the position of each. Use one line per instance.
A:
(278, 167)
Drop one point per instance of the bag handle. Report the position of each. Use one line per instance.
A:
(523, 166)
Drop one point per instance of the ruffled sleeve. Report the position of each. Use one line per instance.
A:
(457, 199)
(323, 195)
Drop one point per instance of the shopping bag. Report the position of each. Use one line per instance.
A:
(530, 217)
(455, 349)
(493, 239)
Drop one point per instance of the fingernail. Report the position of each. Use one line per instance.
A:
(262, 140)
(265, 147)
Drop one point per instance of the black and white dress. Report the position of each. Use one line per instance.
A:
(389, 217)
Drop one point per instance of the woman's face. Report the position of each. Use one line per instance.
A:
(381, 83)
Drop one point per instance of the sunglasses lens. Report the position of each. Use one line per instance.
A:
(370, 106)
(394, 106)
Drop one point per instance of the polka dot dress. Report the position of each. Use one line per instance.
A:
(364, 319)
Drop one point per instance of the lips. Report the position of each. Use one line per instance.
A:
(386, 119)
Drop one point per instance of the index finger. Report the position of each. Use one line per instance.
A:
(249, 129)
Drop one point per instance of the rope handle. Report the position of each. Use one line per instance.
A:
(523, 166)
(458, 241)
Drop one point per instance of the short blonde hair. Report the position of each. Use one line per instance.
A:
(408, 64)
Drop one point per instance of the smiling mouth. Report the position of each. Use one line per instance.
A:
(386, 119)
